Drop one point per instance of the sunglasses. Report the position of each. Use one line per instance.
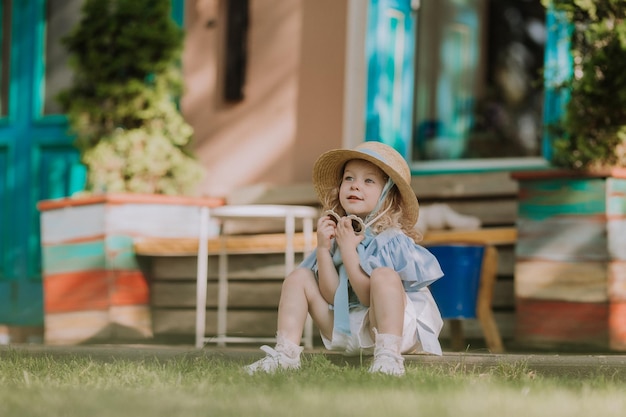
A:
(357, 223)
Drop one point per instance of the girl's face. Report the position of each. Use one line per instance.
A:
(361, 186)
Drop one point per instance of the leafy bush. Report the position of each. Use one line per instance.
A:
(592, 132)
(122, 104)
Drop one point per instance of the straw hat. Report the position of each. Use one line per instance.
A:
(328, 170)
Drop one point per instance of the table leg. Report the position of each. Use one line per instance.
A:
(222, 293)
(201, 276)
(290, 230)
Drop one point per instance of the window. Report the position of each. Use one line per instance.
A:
(478, 100)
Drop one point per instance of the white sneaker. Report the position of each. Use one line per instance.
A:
(389, 363)
(272, 362)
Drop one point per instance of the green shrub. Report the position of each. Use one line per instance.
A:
(592, 132)
(122, 105)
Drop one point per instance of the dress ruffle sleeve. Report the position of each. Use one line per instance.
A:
(416, 266)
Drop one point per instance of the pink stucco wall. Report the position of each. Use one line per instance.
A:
(292, 109)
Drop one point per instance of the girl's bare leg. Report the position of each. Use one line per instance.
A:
(300, 295)
(387, 301)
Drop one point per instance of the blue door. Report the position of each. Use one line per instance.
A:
(37, 158)
(390, 72)
(36, 154)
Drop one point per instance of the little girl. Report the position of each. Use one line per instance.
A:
(365, 285)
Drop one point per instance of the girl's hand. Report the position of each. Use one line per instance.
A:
(326, 231)
(345, 235)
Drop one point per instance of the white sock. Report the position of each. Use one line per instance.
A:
(288, 347)
(388, 342)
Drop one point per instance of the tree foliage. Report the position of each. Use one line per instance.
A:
(122, 105)
(592, 132)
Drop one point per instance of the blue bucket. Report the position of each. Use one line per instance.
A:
(457, 291)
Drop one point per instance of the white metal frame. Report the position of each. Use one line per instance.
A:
(245, 212)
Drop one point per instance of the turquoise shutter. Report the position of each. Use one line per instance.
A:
(558, 68)
(390, 73)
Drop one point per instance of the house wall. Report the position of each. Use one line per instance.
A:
(251, 140)
(293, 105)
(321, 84)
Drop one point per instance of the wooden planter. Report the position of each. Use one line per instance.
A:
(570, 269)
(93, 287)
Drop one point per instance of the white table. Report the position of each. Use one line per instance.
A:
(245, 212)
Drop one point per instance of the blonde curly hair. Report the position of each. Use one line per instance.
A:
(393, 218)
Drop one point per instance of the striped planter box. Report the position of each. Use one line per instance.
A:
(570, 266)
(94, 289)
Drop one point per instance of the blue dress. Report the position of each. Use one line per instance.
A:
(415, 265)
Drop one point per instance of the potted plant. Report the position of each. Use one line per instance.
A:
(140, 172)
(571, 252)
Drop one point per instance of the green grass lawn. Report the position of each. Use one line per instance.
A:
(72, 386)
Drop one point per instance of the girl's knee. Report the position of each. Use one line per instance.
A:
(384, 276)
(385, 283)
(299, 277)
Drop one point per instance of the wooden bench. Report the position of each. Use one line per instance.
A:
(275, 242)
(255, 276)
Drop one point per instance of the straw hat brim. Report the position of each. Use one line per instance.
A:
(328, 170)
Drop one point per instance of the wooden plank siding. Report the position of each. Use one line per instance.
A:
(94, 289)
(253, 294)
(570, 260)
(255, 278)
